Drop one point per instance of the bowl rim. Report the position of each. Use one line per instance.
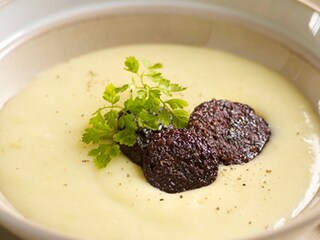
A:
(21, 225)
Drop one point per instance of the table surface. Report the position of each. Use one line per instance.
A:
(24, 7)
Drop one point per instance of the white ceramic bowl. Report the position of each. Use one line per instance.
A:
(282, 35)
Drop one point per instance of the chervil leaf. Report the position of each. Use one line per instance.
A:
(153, 104)
(91, 135)
(114, 150)
(111, 118)
(176, 88)
(151, 66)
(126, 137)
(99, 129)
(99, 123)
(154, 76)
(180, 118)
(156, 66)
(122, 88)
(176, 103)
(147, 120)
(142, 94)
(110, 94)
(134, 106)
(94, 135)
(144, 107)
(104, 153)
(155, 93)
(97, 120)
(165, 117)
(164, 86)
(132, 64)
(129, 122)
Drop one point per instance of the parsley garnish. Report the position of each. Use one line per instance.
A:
(145, 107)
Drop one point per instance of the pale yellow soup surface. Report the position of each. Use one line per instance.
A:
(46, 175)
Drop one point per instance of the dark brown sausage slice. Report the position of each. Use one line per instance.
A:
(238, 132)
(178, 160)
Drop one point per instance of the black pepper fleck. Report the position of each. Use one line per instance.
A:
(268, 171)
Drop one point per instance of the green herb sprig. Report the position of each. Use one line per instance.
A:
(145, 107)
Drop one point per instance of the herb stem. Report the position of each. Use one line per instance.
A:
(141, 76)
(108, 107)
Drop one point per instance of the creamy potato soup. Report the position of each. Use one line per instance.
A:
(47, 176)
